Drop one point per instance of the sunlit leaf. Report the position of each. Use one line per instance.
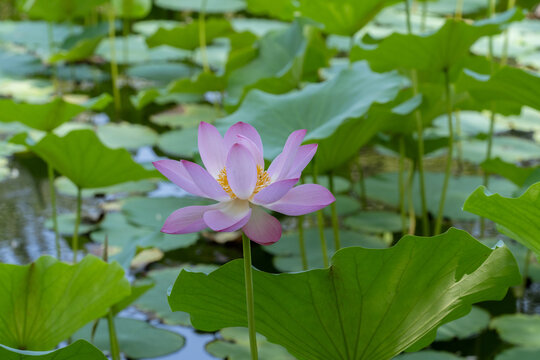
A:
(81, 157)
(316, 314)
(132, 9)
(58, 10)
(54, 299)
(212, 6)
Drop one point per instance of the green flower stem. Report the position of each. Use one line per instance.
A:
(424, 16)
(320, 221)
(115, 349)
(450, 155)
(301, 242)
(50, 37)
(504, 57)
(50, 172)
(114, 64)
(75, 239)
(459, 142)
(420, 135)
(401, 184)
(412, 214)
(250, 303)
(363, 191)
(202, 37)
(335, 221)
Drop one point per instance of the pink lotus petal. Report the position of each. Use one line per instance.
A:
(303, 156)
(274, 191)
(175, 171)
(211, 148)
(229, 217)
(252, 147)
(280, 167)
(246, 130)
(303, 199)
(241, 171)
(262, 227)
(186, 220)
(206, 183)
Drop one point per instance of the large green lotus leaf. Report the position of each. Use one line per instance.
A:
(186, 116)
(343, 17)
(518, 329)
(234, 345)
(278, 66)
(319, 108)
(82, 45)
(126, 135)
(517, 217)
(79, 350)
(370, 304)
(154, 301)
(44, 117)
(472, 323)
(66, 225)
(434, 53)
(81, 157)
(132, 9)
(45, 302)
(383, 187)
(58, 10)
(199, 84)
(137, 339)
(138, 51)
(186, 36)
(212, 6)
(508, 84)
(280, 9)
(287, 251)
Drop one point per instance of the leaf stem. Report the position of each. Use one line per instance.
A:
(202, 36)
(115, 349)
(412, 214)
(335, 220)
(250, 303)
(301, 242)
(420, 132)
(450, 155)
(50, 173)
(401, 184)
(320, 221)
(114, 64)
(362, 180)
(75, 239)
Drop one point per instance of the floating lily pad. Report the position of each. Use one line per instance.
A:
(126, 135)
(518, 329)
(79, 350)
(54, 299)
(66, 225)
(180, 143)
(383, 187)
(428, 355)
(287, 250)
(304, 312)
(471, 324)
(508, 148)
(155, 300)
(235, 346)
(375, 221)
(137, 339)
(345, 205)
(64, 186)
(519, 353)
(212, 6)
(160, 73)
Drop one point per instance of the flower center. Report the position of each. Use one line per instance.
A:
(263, 180)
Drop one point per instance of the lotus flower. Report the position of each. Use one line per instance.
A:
(235, 177)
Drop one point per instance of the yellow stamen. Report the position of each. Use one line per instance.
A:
(263, 180)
